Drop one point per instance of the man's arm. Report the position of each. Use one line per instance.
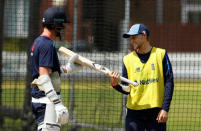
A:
(169, 87)
(120, 89)
(168, 82)
(44, 70)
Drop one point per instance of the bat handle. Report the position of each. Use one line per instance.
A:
(128, 81)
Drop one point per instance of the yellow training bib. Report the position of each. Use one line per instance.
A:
(150, 91)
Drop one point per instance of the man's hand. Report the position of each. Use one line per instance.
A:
(162, 116)
(62, 115)
(114, 78)
(72, 67)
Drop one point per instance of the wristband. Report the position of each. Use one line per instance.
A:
(114, 84)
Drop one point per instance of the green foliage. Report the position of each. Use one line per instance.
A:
(14, 44)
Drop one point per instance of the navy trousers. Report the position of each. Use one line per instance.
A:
(139, 120)
(38, 110)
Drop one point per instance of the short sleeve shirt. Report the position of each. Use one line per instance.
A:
(42, 54)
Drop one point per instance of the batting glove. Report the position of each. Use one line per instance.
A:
(62, 115)
(72, 67)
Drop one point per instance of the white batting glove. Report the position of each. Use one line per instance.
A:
(72, 67)
(62, 115)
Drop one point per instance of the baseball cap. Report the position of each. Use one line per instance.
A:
(137, 29)
(54, 15)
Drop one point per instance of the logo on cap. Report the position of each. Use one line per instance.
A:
(43, 20)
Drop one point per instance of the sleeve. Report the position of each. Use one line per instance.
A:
(124, 74)
(119, 87)
(168, 81)
(46, 53)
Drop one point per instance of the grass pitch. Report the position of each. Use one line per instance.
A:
(95, 103)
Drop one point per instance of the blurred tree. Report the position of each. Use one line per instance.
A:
(1, 43)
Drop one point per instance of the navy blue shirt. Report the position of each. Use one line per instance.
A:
(42, 54)
(168, 78)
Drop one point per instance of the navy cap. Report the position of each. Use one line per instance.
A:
(137, 29)
(54, 15)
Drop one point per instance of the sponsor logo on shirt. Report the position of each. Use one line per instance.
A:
(137, 69)
(148, 81)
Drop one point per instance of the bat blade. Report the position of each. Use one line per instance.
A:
(91, 64)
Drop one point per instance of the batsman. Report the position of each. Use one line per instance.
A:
(148, 103)
(47, 105)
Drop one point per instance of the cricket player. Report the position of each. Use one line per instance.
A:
(148, 103)
(47, 104)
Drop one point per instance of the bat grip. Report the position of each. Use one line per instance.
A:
(128, 81)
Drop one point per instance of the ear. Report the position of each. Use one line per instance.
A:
(145, 35)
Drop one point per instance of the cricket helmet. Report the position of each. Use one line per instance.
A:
(52, 16)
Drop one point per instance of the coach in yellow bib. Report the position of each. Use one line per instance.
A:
(148, 103)
(149, 75)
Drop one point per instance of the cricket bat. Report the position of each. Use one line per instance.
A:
(92, 65)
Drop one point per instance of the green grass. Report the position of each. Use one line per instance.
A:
(96, 103)
(185, 112)
(13, 125)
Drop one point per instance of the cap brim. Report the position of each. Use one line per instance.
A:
(126, 35)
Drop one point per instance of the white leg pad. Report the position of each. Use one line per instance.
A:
(49, 123)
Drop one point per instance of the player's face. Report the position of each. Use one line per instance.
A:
(137, 41)
(60, 30)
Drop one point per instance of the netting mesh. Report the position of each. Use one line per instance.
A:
(95, 32)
